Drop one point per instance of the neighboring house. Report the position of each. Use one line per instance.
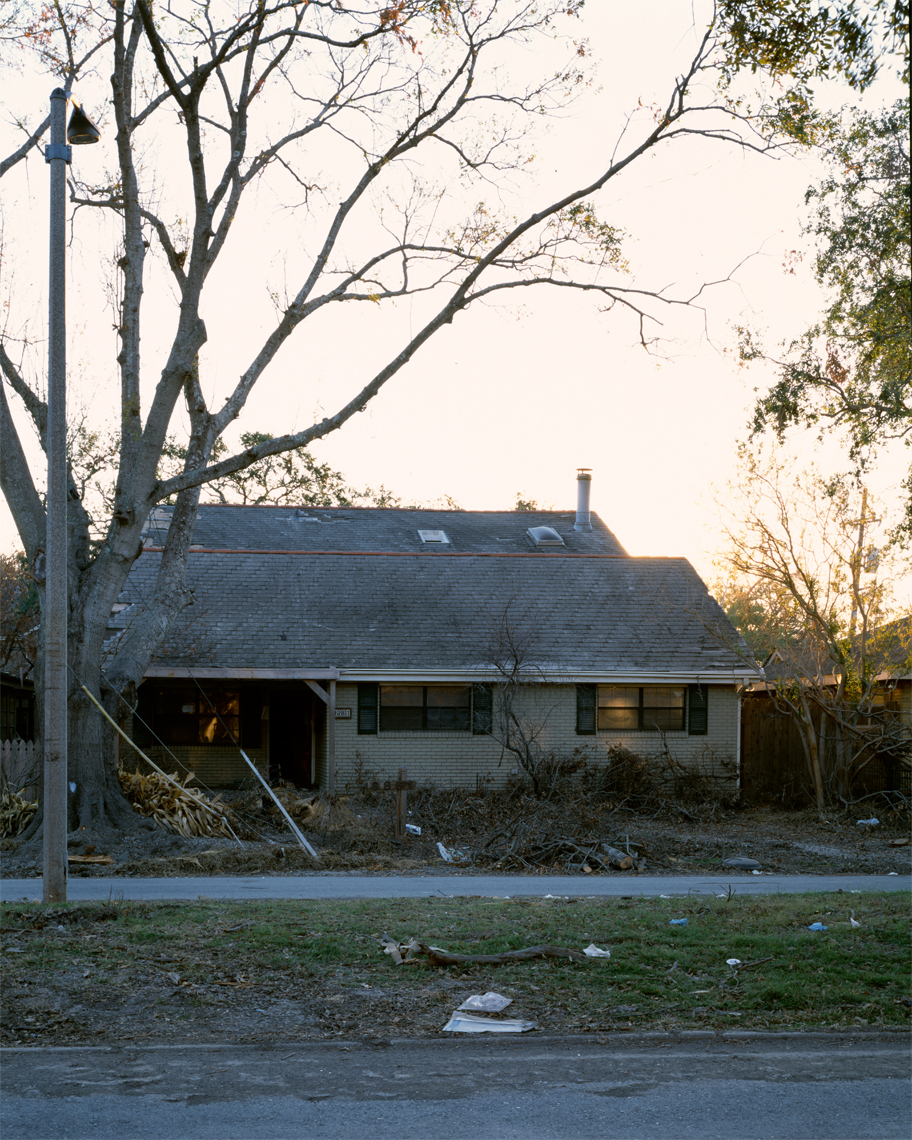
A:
(17, 706)
(338, 645)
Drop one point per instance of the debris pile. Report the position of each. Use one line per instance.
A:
(174, 806)
(15, 814)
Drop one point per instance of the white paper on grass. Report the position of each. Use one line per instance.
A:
(470, 1023)
(486, 1003)
(592, 951)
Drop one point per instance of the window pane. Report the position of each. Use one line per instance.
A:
(663, 697)
(402, 719)
(618, 718)
(444, 720)
(402, 696)
(618, 696)
(448, 696)
(666, 720)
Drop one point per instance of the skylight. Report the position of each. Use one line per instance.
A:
(544, 536)
(433, 536)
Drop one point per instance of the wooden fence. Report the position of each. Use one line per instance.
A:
(20, 767)
(773, 764)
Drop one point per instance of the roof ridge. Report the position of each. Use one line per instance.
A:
(433, 554)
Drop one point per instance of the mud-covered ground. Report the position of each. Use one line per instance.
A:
(502, 832)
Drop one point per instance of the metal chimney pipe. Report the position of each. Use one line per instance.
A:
(583, 486)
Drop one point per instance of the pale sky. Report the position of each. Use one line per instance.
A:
(514, 398)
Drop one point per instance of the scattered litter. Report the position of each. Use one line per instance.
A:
(592, 951)
(741, 862)
(664, 896)
(485, 1003)
(756, 872)
(677, 922)
(817, 926)
(471, 1023)
(853, 921)
(892, 872)
(451, 854)
(903, 842)
(732, 962)
(872, 822)
(413, 829)
(89, 859)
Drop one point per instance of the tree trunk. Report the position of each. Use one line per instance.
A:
(809, 736)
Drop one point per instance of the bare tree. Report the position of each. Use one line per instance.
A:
(810, 586)
(241, 96)
(519, 716)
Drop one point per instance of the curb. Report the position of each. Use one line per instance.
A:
(886, 1035)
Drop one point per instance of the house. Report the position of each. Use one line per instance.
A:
(338, 645)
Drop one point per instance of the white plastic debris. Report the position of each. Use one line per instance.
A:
(732, 962)
(756, 872)
(451, 854)
(471, 1023)
(413, 829)
(592, 951)
(486, 1003)
(872, 822)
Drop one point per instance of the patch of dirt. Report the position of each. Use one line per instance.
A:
(501, 832)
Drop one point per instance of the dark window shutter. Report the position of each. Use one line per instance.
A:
(143, 725)
(251, 717)
(586, 697)
(482, 710)
(368, 699)
(697, 710)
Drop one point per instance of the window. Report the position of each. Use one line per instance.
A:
(641, 708)
(425, 708)
(184, 715)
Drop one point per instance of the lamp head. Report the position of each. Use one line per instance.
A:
(81, 129)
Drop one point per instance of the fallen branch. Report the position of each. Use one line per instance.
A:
(440, 957)
(405, 953)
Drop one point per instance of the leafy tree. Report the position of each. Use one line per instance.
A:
(291, 477)
(807, 40)
(810, 581)
(852, 370)
(19, 613)
(241, 99)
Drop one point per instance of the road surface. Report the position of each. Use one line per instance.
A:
(690, 1086)
(352, 886)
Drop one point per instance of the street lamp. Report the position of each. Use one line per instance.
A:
(58, 155)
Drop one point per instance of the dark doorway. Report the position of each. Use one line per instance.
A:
(291, 736)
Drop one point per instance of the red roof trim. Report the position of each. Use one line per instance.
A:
(419, 554)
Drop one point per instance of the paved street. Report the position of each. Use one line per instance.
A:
(348, 886)
(697, 1086)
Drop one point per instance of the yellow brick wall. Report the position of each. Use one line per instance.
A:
(459, 759)
(213, 765)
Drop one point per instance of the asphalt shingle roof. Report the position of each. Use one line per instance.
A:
(375, 529)
(373, 612)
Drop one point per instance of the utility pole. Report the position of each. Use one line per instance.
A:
(56, 603)
(58, 156)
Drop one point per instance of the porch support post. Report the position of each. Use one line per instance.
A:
(331, 740)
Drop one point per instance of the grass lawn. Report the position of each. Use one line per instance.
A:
(278, 970)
